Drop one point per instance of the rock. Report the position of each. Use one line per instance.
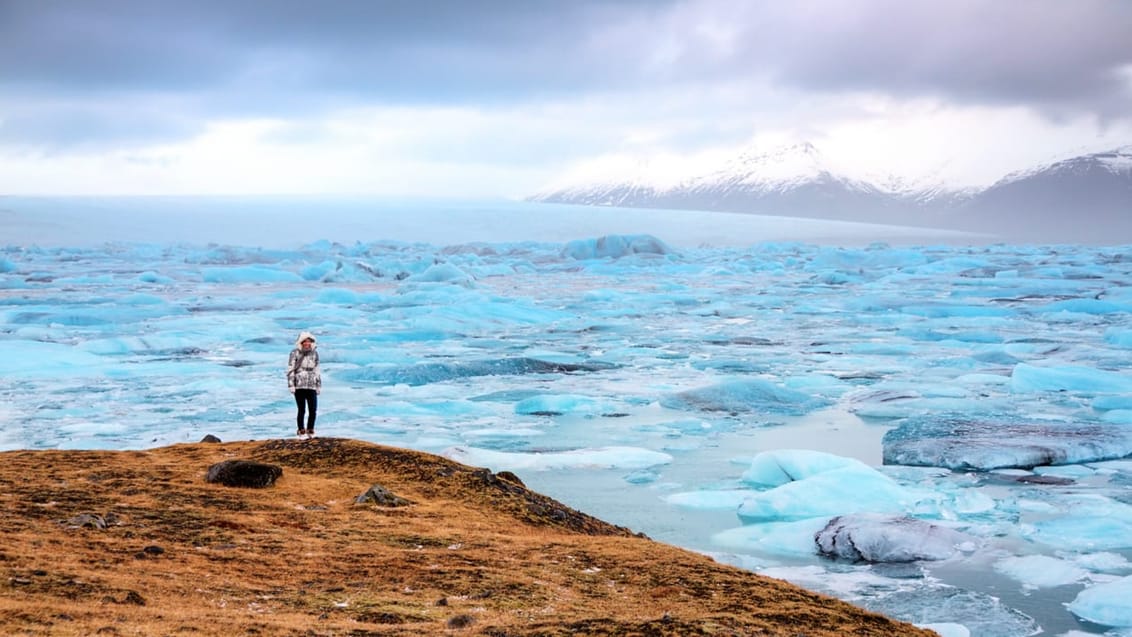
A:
(381, 496)
(461, 621)
(87, 520)
(210, 438)
(244, 473)
(510, 477)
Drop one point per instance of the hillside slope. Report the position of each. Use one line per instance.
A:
(138, 543)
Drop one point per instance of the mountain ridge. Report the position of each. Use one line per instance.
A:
(1085, 198)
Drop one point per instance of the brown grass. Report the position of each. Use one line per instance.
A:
(474, 554)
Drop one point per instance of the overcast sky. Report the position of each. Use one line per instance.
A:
(463, 98)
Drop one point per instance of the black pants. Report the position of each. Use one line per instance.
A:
(307, 402)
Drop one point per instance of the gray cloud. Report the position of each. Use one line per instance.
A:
(90, 65)
(56, 128)
(400, 50)
(1041, 53)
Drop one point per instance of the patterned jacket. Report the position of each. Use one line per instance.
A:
(302, 367)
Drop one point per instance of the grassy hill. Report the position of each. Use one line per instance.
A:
(139, 543)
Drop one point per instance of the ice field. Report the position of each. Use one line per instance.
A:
(930, 425)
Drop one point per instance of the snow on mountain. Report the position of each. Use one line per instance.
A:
(790, 180)
(1117, 161)
(1082, 198)
(1087, 198)
(780, 169)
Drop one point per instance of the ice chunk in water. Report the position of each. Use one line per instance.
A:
(1108, 604)
(746, 395)
(615, 246)
(889, 538)
(776, 538)
(965, 443)
(1040, 571)
(835, 492)
(982, 614)
(707, 500)
(1076, 378)
(777, 467)
(947, 630)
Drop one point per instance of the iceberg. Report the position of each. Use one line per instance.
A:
(981, 614)
(1040, 571)
(889, 538)
(615, 246)
(1108, 604)
(786, 539)
(775, 468)
(427, 373)
(855, 488)
(984, 444)
(1074, 378)
(745, 396)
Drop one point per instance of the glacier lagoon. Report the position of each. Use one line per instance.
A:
(948, 416)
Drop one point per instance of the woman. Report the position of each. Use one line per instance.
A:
(305, 381)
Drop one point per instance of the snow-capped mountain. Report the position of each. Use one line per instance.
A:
(1087, 198)
(794, 180)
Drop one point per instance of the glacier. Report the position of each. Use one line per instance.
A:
(729, 385)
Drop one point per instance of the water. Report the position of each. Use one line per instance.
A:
(129, 346)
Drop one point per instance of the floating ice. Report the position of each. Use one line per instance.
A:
(964, 443)
(853, 488)
(874, 537)
(248, 274)
(776, 538)
(443, 273)
(1040, 571)
(1108, 604)
(1075, 378)
(1084, 522)
(183, 345)
(1104, 562)
(747, 395)
(615, 246)
(426, 373)
(1119, 337)
(947, 629)
(25, 359)
(981, 614)
(561, 404)
(784, 345)
(708, 499)
(774, 468)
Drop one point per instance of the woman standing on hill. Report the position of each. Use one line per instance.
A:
(305, 381)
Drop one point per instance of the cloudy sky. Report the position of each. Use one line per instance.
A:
(485, 98)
